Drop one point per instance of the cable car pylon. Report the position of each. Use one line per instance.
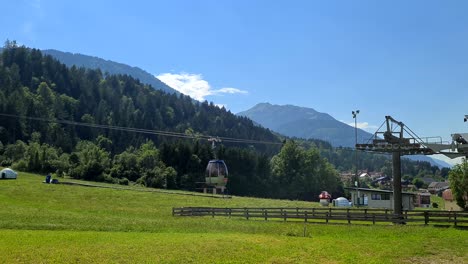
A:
(398, 140)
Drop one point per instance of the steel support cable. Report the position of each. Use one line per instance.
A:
(375, 132)
(74, 123)
(139, 130)
(414, 135)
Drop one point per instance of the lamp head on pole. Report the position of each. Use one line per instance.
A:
(466, 118)
(355, 113)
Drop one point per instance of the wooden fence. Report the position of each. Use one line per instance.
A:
(338, 215)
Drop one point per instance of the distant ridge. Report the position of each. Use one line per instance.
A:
(302, 122)
(111, 67)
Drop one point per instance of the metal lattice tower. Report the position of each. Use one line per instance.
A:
(398, 140)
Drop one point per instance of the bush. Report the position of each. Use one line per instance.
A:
(21, 165)
(123, 181)
(6, 163)
(107, 178)
(435, 205)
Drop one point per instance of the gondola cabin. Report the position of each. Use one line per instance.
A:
(216, 175)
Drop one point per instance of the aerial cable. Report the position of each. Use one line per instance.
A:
(139, 130)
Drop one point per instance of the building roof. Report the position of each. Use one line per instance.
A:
(424, 194)
(376, 190)
(438, 185)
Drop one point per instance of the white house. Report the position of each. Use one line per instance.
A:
(374, 198)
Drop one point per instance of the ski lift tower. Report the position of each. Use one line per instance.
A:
(458, 147)
(398, 140)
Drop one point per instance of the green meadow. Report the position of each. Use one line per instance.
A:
(45, 223)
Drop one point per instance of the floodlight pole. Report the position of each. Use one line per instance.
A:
(356, 177)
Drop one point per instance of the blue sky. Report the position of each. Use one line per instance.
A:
(408, 59)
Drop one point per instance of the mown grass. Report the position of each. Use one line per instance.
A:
(41, 223)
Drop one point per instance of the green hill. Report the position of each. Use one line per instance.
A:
(42, 223)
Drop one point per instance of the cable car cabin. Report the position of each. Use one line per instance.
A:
(216, 175)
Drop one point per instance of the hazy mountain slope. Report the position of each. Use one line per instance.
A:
(437, 162)
(306, 123)
(111, 67)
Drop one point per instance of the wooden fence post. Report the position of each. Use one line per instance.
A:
(265, 212)
(373, 219)
(454, 218)
(305, 216)
(246, 213)
(212, 212)
(426, 217)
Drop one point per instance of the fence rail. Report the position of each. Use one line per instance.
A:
(330, 214)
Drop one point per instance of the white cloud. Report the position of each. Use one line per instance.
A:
(229, 91)
(365, 126)
(194, 85)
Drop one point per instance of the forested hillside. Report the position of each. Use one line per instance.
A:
(38, 94)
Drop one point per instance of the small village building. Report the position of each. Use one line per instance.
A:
(423, 199)
(364, 175)
(374, 198)
(447, 195)
(437, 187)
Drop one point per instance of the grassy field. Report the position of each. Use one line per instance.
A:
(42, 223)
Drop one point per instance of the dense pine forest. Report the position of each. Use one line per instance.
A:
(43, 105)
